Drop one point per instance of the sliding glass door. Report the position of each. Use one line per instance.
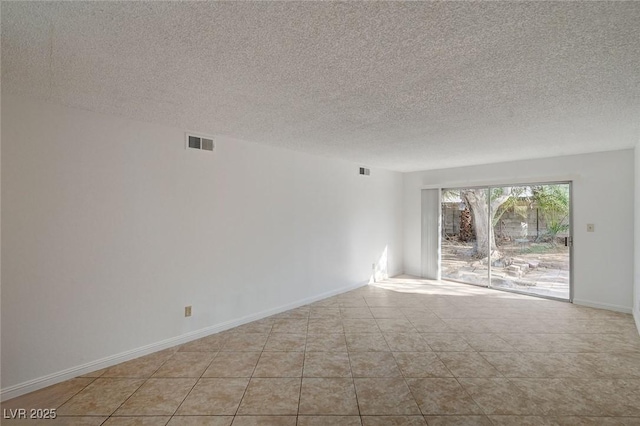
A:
(511, 237)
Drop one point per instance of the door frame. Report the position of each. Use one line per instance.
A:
(431, 225)
(556, 181)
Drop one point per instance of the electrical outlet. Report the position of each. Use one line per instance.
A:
(591, 227)
(187, 311)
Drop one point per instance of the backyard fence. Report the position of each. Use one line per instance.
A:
(510, 226)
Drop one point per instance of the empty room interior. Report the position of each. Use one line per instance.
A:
(320, 213)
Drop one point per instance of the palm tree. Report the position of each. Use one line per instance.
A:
(466, 225)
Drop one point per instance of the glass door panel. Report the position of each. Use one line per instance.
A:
(531, 239)
(465, 232)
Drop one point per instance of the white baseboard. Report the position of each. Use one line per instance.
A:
(70, 373)
(636, 317)
(610, 307)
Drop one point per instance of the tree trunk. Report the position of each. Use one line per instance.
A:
(476, 199)
(479, 208)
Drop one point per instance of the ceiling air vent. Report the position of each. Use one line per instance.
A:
(203, 143)
(365, 171)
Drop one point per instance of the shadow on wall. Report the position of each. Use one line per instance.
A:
(379, 269)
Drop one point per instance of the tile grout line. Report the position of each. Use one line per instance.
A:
(353, 379)
(250, 376)
(195, 384)
(83, 388)
(404, 378)
(304, 357)
(139, 387)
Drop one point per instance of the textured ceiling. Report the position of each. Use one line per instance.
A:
(402, 86)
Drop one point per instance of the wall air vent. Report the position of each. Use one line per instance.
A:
(203, 143)
(365, 171)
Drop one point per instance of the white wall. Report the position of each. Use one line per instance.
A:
(603, 194)
(110, 227)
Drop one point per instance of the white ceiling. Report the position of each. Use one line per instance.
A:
(402, 86)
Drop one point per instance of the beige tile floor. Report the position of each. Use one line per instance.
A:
(401, 352)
